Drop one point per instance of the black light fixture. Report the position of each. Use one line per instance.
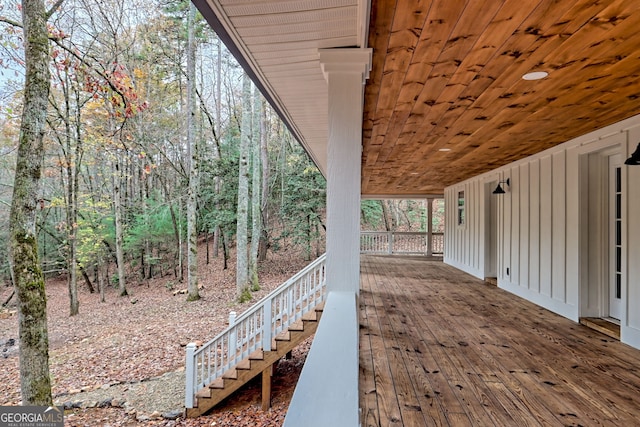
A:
(499, 189)
(634, 160)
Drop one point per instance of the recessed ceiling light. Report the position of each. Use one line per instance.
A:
(445, 149)
(535, 75)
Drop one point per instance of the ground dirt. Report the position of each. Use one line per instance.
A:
(121, 362)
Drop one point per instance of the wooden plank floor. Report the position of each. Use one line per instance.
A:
(441, 348)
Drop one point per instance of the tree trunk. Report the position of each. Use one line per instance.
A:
(70, 163)
(395, 216)
(307, 249)
(176, 231)
(193, 160)
(180, 249)
(225, 252)
(72, 225)
(256, 228)
(6, 302)
(242, 280)
(101, 279)
(217, 230)
(86, 278)
(35, 382)
(117, 207)
(385, 215)
(206, 245)
(264, 213)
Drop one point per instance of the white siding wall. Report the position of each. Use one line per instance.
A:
(630, 329)
(542, 242)
(464, 244)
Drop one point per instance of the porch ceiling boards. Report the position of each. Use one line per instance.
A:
(439, 347)
(447, 74)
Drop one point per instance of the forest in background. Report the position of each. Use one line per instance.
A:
(155, 135)
(401, 215)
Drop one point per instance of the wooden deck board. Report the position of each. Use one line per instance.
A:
(439, 347)
(371, 417)
(472, 394)
(410, 410)
(386, 398)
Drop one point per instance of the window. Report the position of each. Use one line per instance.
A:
(460, 207)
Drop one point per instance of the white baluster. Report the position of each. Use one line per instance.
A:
(233, 338)
(266, 325)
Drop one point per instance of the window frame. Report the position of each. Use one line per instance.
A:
(461, 215)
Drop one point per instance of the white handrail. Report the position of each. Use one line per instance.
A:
(255, 328)
(397, 242)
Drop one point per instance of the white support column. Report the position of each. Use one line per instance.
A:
(346, 70)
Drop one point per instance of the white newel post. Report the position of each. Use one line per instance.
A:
(345, 70)
(190, 372)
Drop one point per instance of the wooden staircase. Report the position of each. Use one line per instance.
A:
(259, 362)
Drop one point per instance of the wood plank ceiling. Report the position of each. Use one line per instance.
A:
(446, 74)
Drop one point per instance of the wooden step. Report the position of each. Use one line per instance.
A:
(204, 393)
(603, 326)
(310, 316)
(256, 355)
(244, 364)
(283, 336)
(231, 374)
(297, 326)
(217, 383)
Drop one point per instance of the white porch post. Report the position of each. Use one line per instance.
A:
(327, 391)
(346, 71)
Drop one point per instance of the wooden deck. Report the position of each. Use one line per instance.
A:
(439, 347)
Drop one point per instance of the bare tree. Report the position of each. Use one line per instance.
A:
(242, 280)
(256, 222)
(118, 178)
(264, 158)
(66, 126)
(193, 159)
(35, 381)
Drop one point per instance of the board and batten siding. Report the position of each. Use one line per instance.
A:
(630, 330)
(542, 240)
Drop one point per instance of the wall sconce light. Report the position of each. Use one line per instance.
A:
(499, 189)
(634, 160)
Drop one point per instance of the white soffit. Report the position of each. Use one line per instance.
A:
(280, 41)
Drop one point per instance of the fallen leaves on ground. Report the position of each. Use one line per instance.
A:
(141, 336)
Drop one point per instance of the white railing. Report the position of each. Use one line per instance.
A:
(396, 242)
(255, 328)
